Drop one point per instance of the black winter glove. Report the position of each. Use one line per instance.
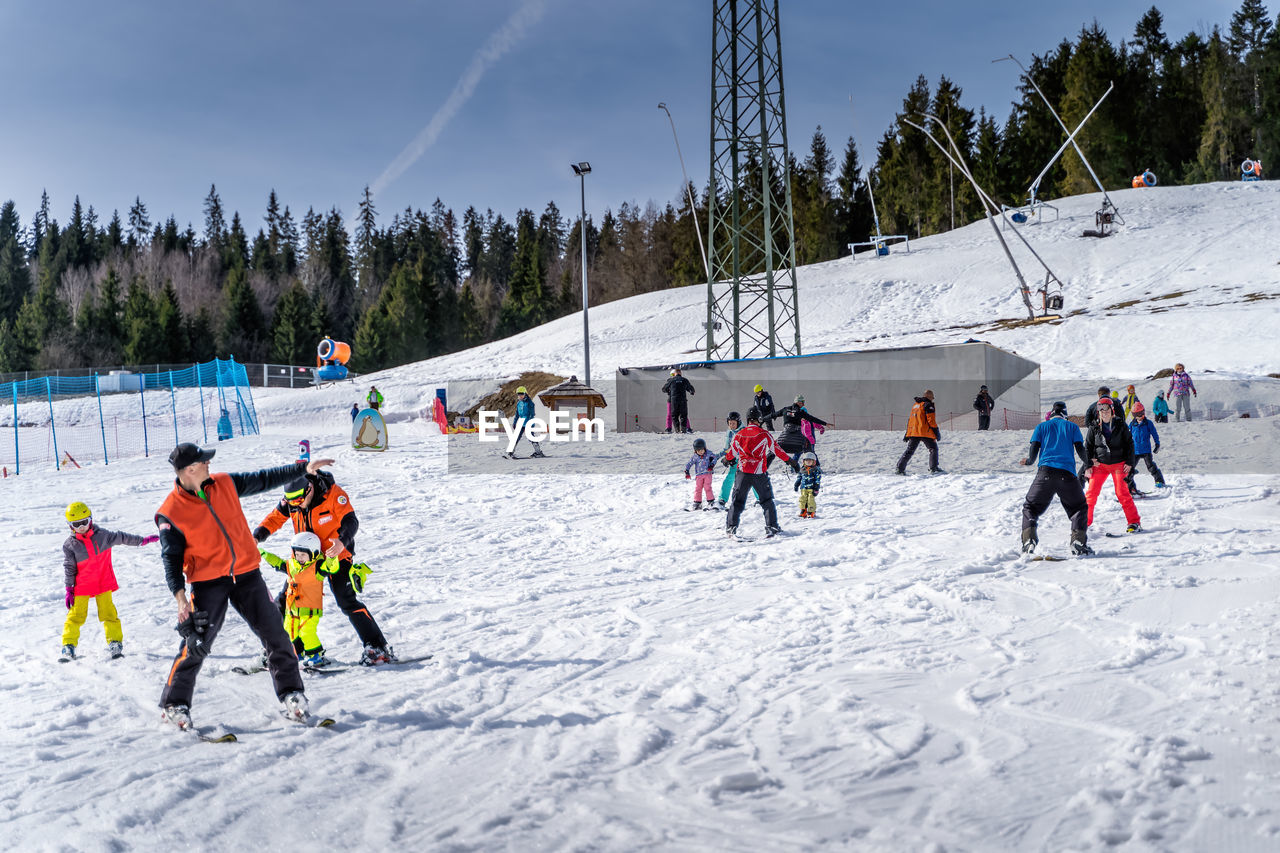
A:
(1155, 449)
(192, 631)
(260, 534)
(797, 488)
(795, 466)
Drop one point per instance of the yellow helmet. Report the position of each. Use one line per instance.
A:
(77, 512)
(521, 390)
(758, 388)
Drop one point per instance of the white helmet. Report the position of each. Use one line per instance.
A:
(808, 456)
(306, 541)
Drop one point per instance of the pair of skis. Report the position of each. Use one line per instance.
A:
(333, 666)
(217, 734)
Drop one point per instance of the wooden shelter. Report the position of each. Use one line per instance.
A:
(572, 395)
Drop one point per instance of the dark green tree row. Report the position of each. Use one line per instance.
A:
(134, 291)
(1190, 110)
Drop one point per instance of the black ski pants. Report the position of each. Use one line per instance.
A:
(742, 485)
(1048, 483)
(249, 595)
(912, 444)
(345, 596)
(984, 421)
(680, 415)
(1152, 469)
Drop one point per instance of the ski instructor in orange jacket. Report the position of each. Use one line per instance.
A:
(205, 541)
(922, 427)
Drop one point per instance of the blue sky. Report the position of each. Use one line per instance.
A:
(317, 99)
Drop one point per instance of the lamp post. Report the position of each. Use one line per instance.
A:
(693, 210)
(582, 170)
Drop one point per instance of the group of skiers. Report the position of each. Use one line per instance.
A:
(206, 545)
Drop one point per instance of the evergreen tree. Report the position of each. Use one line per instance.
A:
(171, 344)
(39, 224)
(1226, 128)
(12, 356)
(813, 204)
(366, 237)
(1094, 64)
(236, 253)
(109, 317)
(242, 325)
(114, 240)
(525, 304)
(472, 241)
(853, 203)
(15, 276)
(215, 225)
(139, 224)
(198, 333)
(142, 338)
(292, 339)
(41, 319)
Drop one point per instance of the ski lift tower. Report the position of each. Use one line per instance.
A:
(882, 241)
(751, 287)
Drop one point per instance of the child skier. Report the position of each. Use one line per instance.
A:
(1146, 442)
(87, 572)
(703, 464)
(1130, 400)
(808, 482)
(1160, 408)
(304, 598)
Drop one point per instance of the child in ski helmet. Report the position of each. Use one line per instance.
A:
(1160, 409)
(87, 573)
(808, 482)
(703, 463)
(304, 597)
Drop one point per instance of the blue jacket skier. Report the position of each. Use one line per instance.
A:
(1053, 441)
(524, 414)
(1146, 443)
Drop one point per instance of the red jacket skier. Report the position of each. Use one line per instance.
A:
(751, 449)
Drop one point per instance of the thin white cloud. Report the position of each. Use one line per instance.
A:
(502, 40)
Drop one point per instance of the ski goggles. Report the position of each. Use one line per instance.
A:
(295, 498)
(82, 524)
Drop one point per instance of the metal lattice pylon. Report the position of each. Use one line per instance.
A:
(751, 292)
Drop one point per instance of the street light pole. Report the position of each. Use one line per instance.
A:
(693, 209)
(582, 170)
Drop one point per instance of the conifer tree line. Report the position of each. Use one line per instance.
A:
(137, 291)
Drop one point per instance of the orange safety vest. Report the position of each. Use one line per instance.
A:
(306, 587)
(218, 539)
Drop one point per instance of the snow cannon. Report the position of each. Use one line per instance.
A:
(1251, 170)
(331, 357)
(1146, 179)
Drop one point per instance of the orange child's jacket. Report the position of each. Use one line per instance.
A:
(922, 423)
(323, 519)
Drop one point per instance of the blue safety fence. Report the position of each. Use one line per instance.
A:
(105, 418)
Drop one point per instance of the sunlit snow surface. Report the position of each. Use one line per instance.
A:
(612, 673)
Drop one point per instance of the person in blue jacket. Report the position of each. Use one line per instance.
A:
(1146, 443)
(524, 413)
(1053, 442)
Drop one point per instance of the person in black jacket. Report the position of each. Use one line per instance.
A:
(763, 403)
(1091, 420)
(676, 388)
(1109, 446)
(792, 439)
(984, 403)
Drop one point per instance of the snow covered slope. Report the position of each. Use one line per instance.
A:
(1194, 277)
(613, 674)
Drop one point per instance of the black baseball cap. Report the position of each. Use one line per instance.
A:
(188, 454)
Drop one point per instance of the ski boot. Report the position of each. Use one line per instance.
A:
(1029, 540)
(771, 531)
(731, 532)
(116, 649)
(537, 452)
(1133, 528)
(374, 655)
(1080, 545)
(697, 505)
(178, 715)
(295, 706)
(68, 653)
(314, 660)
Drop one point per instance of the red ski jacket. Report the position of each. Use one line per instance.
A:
(750, 447)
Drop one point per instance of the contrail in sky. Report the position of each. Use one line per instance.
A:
(505, 38)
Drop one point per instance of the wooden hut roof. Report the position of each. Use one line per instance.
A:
(572, 390)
